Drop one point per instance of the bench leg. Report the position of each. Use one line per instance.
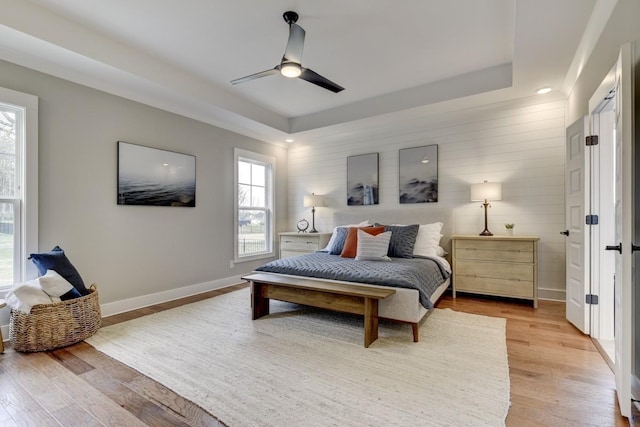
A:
(370, 321)
(259, 304)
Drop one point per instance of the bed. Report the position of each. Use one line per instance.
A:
(418, 282)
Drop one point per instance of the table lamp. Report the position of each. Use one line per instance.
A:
(312, 201)
(485, 192)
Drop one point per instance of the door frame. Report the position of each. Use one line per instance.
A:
(621, 77)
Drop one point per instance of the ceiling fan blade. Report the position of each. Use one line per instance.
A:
(264, 73)
(293, 52)
(315, 78)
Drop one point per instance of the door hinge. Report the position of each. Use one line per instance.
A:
(591, 299)
(591, 220)
(591, 140)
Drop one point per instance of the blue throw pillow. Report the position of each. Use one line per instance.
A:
(57, 261)
(341, 238)
(403, 239)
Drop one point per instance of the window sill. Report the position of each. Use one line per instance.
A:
(255, 257)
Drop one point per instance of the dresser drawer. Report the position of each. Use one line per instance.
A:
(299, 243)
(515, 251)
(493, 286)
(495, 270)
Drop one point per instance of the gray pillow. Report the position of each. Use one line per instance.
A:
(341, 238)
(403, 239)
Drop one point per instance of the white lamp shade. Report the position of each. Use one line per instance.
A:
(486, 191)
(313, 201)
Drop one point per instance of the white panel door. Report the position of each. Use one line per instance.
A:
(623, 228)
(577, 243)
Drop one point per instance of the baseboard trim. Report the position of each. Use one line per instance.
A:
(552, 294)
(129, 304)
(122, 306)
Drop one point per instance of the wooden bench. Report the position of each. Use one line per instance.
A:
(317, 293)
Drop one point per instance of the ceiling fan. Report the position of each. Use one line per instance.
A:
(291, 64)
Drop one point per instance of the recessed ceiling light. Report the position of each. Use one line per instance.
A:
(543, 90)
(165, 164)
(288, 140)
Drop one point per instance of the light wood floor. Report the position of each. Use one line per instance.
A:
(557, 377)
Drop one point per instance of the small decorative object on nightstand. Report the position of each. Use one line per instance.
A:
(302, 226)
(293, 243)
(496, 265)
(509, 229)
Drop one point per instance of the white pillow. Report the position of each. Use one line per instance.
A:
(54, 284)
(373, 248)
(428, 240)
(23, 296)
(332, 240)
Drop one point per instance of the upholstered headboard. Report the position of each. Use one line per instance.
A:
(401, 216)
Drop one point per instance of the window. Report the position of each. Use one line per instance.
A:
(254, 205)
(18, 185)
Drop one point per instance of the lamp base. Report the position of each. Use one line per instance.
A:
(313, 220)
(486, 231)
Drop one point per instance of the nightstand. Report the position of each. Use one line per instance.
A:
(503, 266)
(292, 243)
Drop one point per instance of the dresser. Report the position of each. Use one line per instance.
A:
(503, 266)
(292, 243)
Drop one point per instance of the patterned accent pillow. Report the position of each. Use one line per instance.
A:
(402, 240)
(338, 243)
(351, 244)
(373, 248)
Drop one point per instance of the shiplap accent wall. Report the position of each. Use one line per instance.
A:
(519, 143)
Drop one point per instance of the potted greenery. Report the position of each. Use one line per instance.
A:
(509, 228)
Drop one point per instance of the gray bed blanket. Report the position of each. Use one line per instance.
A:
(423, 274)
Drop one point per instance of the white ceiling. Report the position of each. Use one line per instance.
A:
(390, 56)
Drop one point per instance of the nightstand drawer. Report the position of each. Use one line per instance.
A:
(517, 251)
(294, 244)
(495, 270)
(491, 286)
(299, 243)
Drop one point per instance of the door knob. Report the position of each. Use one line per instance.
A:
(617, 247)
(565, 232)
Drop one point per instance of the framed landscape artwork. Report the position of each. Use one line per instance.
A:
(154, 177)
(418, 174)
(362, 179)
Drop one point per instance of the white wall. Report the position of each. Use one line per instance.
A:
(133, 251)
(519, 143)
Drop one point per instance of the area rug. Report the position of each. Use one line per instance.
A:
(306, 367)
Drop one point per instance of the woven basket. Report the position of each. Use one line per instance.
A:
(60, 324)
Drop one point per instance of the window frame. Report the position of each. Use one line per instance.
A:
(26, 202)
(270, 165)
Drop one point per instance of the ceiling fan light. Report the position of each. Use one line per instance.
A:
(290, 70)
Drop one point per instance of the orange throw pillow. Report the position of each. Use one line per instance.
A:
(351, 244)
